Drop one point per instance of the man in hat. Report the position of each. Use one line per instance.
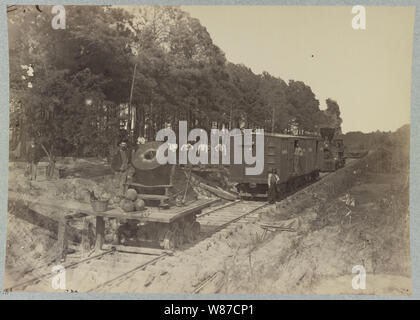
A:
(33, 157)
(273, 179)
(121, 164)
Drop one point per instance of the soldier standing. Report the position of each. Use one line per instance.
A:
(121, 165)
(273, 179)
(33, 157)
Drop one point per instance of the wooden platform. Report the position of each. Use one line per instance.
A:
(151, 214)
(74, 209)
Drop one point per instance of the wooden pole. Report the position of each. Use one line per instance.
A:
(129, 102)
(230, 118)
(100, 233)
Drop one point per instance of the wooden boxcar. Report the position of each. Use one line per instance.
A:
(279, 153)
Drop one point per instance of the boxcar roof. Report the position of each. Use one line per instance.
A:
(282, 135)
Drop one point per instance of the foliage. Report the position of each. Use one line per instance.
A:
(78, 99)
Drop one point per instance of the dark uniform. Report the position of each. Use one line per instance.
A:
(273, 179)
(33, 157)
(121, 164)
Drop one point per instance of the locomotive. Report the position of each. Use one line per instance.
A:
(333, 149)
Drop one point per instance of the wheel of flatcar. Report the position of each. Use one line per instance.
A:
(169, 240)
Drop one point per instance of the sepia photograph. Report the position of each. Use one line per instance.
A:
(209, 149)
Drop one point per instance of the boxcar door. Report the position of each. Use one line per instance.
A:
(311, 153)
(237, 171)
(303, 158)
(283, 159)
(290, 155)
(270, 154)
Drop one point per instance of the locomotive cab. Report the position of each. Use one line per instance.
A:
(333, 150)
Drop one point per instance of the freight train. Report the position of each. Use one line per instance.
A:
(297, 159)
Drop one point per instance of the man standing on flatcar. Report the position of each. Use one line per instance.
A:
(121, 164)
(273, 179)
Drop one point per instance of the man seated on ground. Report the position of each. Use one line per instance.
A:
(273, 179)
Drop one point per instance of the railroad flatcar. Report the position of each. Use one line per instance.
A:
(280, 153)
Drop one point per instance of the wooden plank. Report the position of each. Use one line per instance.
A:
(214, 223)
(62, 239)
(227, 214)
(152, 196)
(167, 216)
(150, 187)
(139, 250)
(257, 195)
(218, 218)
(100, 233)
(219, 192)
(85, 243)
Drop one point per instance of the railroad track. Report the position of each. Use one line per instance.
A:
(200, 286)
(224, 218)
(216, 219)
(227, 217)
(44, 272)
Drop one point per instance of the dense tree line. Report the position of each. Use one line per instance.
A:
(359, 141)
(112, 72)
(395, 145)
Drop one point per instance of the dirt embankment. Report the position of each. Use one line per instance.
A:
(32, 235)
(356, 216)
(353, 217)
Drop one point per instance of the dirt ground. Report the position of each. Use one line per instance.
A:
(356, 216)
(32, 236)
(318, 258)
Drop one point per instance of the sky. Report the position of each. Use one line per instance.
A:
(368, 72)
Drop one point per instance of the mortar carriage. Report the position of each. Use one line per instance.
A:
(169, 219)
